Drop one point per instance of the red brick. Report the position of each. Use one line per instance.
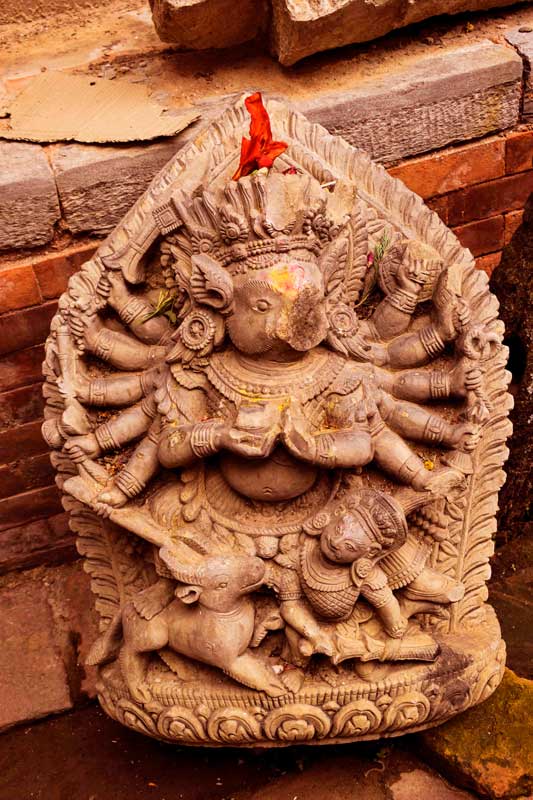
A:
(519, 152)
(513, 220)
(18, 288)
(488, 263)
(34, 679)
(21, 405)
(52, 275)
(29, 506)
(26, 328)
(440, 206)
(483, 236)
(489, 199)
(44, 541)
(21, 368)
(447, 171)
(25, 474)
(22, 442)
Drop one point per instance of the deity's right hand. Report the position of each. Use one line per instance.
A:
(80, 448)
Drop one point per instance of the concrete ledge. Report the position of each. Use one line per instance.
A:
(97, 185)
(462, 94)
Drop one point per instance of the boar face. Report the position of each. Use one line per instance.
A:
(278, 309)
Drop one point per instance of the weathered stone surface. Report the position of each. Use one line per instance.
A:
(339, 232)
(29, 207)
(462, 94)
(490, 747)
(99, 754)
(522, 41)
(202, 24)
(98, 185)
(75, 625)
(18, 11)
(303, 27)
(34, 680)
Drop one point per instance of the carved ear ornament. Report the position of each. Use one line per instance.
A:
(197, 330)
(316, 524)
(342, 320)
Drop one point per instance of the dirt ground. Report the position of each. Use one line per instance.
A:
(86, 756)
(119, 42)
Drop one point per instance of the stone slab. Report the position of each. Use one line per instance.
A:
(34, 680)
(98, 185)
(489, 747)
(75, 625)
(205, 24)
(522, 41)
(463, 94)
(303, 27)
(29, 206)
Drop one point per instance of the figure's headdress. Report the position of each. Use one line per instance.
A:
(247, 224)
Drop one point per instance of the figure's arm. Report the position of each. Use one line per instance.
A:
(137, 472)
(379, 594)
(393, 315)
(134, 311)
(414, 422)
(115, 390)
(119, 349)
(435, 384)
(112, 435)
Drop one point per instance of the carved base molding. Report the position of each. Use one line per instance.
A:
(326, 710)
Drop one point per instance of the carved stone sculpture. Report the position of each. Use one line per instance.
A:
(278, 408)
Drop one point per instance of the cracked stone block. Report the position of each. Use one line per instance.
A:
(98, 185)
(465, 93)
(203, 24)
(29, 206)
(303, 27)
(522, 41)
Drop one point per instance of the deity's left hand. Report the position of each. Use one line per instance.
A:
(297, 435)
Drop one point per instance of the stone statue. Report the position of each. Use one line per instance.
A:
(277, 402)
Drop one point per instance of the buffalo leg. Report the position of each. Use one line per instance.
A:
(252, 672)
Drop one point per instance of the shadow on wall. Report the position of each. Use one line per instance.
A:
(512, 282)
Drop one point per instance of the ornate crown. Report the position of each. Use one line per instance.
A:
(245, 224)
